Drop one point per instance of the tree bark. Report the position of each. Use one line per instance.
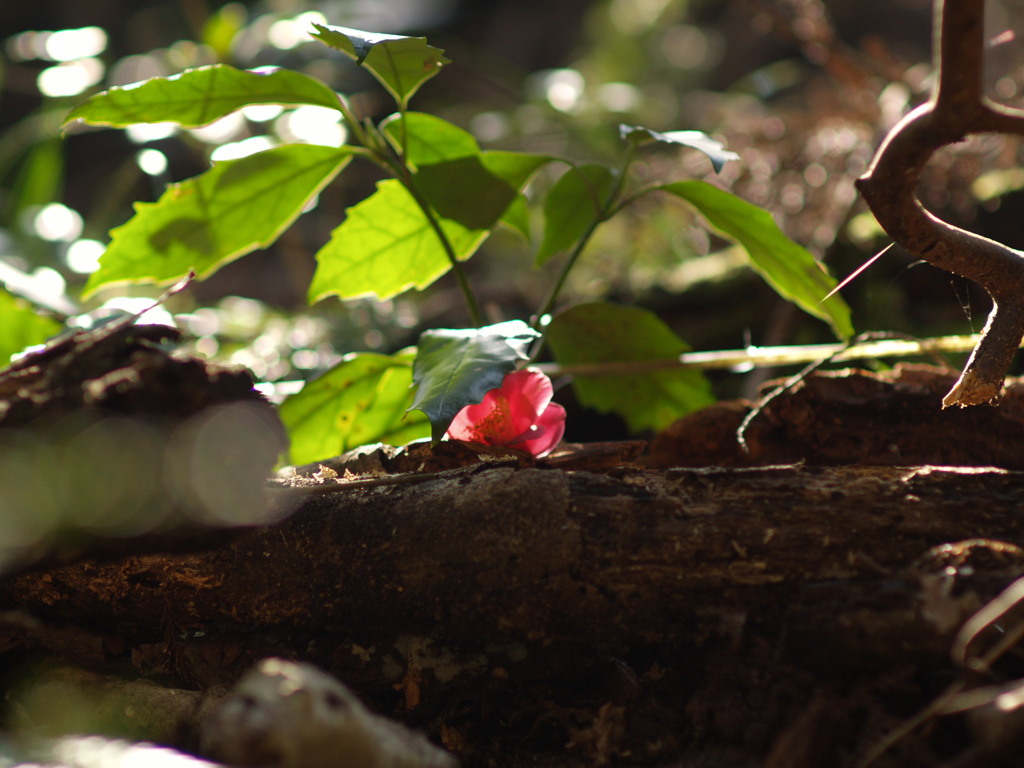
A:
(590, 609)
(737, 608)
(503, 552)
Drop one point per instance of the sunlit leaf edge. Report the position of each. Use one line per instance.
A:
(363, 45)
(715, 151)
(102, 108)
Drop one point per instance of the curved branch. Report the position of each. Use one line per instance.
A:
(957, 108)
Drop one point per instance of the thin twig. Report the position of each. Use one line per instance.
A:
(911, 724)
(740, 360)
(792, 381)
(953, 699)
(993, 613)
(877, 345)
(761, 404)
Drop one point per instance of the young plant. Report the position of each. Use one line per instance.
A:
(445, 195)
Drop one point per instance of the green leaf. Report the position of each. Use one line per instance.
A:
(605, 333)
(713, 148)
(787, 267)
(21, 327)
(425, 139)
(456, 368)
(572, 205)
(461, 182)
(474, 192)
(517, 218)
(214, 218)
(199, 96)
(383, 247)
(386, 244)
(362, 400)
(401, 64)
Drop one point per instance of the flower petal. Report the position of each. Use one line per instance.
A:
(518, 414)
(529, 393)
(548, 433)
(483, 422)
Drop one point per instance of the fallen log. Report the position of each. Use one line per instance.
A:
(589, 608)
(500, 551)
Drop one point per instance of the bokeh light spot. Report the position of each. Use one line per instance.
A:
(288, 33)
(71, 44)
(239, 149)
(312, 125)
(151, 161)
(261, 113)
(83, 256)
(70, 78)
(57, 222)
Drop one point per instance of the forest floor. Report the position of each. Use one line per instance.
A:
(806, 601)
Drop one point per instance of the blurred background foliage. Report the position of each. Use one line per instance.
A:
(802, 90)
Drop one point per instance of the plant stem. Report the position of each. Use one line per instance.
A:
(395, 163)
(607, 210)
(560, 282)
(405, 176)
(632, 198)
(352, 123)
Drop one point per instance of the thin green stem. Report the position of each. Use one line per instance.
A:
(632, 198)
(352, 123)
(740, 360)
(395, 163)
(549, 303)
(404, 129)
(608, 209)
(404, 175)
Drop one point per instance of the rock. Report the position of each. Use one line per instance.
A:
(288, 715)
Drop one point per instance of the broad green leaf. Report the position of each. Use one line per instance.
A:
(456, 368)
(386, 244)
(517, 218)
(474, 192)
(713, 148)
(362, 400)
(199, 96)
(607, 333)
(426, 139)
(573, 204)
(21, 327)
(214, 218)
(454, 175)
(787, 267)
(401, 64)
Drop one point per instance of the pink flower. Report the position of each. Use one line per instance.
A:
(518, 414)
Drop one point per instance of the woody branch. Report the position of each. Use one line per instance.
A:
(957, 108)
